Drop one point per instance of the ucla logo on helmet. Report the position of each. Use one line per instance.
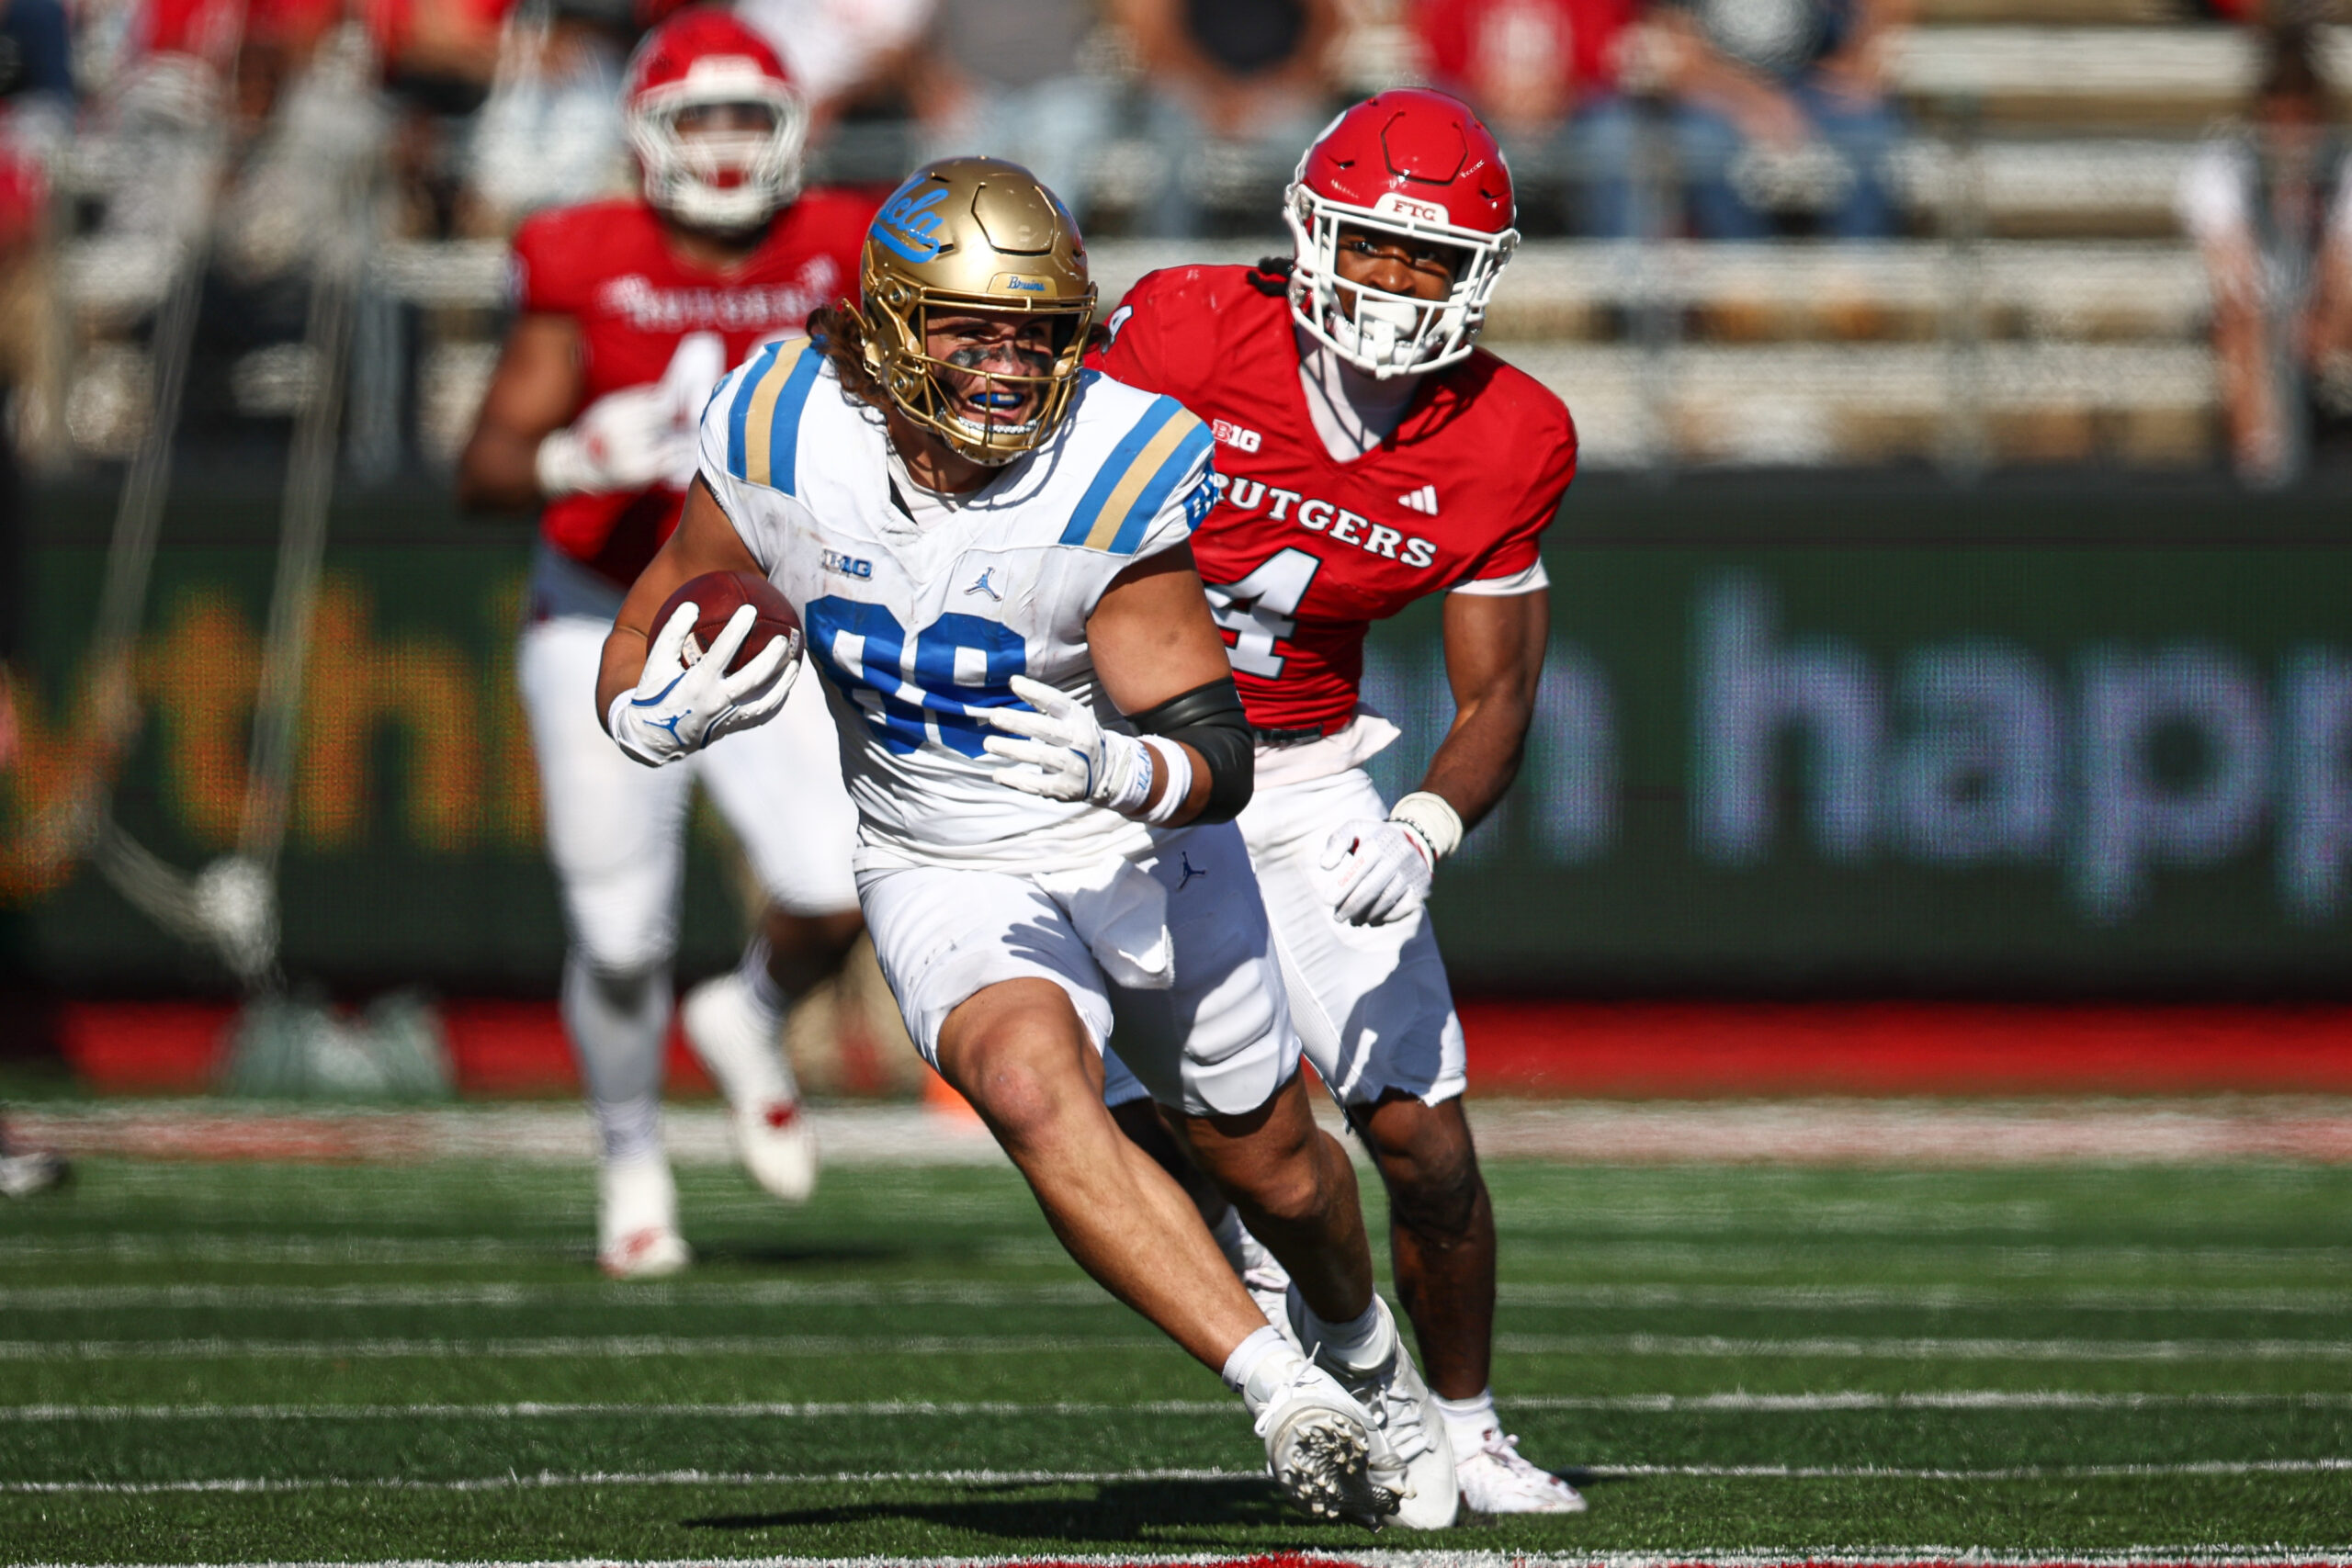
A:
(908, 224)
(1014, 283)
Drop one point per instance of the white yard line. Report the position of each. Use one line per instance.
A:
(2313, 1129)
(2006, 1261)
(2321, 1302)
(597, 1294)
(549, 1479)
(624, 1346)
(1924, 1349)
(584, 1348)
(1636, 1403)
(543, 1479)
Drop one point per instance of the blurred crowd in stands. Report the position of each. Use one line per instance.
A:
(1144, 112)
(136, 127)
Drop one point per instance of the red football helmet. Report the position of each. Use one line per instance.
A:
(703, 59)
(1418, 166)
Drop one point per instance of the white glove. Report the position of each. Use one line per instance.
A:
(630, 440)
(679, 707)
(1379, 872)
(1064, 754)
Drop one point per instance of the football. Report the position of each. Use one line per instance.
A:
(717, 595)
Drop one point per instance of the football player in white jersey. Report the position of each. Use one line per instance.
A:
(988, 548)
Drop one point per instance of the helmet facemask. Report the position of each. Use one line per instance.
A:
(1381, 333)
(725, 180)
(930, 390)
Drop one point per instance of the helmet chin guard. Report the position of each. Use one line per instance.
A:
(729, 180)
(1412, 166)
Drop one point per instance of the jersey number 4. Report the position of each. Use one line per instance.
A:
(1262, 609)
(959, 664)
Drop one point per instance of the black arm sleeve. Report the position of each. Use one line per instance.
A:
(1209, 719)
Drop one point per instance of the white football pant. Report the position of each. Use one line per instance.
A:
(617, 835)
(616, 829)
(1370, 1003)
(1217, 1040)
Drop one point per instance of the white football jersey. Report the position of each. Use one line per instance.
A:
(915, 628)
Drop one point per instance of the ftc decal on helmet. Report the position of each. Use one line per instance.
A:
(967, 235)
(1409, 165)
(715, 120)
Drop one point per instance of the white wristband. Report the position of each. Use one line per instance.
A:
(561, 468)
(1176, 767)
(1132, 759)
(1434, 818)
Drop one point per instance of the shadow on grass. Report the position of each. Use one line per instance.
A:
(1168, 1512)
(1118, 1511)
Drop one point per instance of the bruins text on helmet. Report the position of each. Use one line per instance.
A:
(1416, 165)
(703, 66)
(968, 235)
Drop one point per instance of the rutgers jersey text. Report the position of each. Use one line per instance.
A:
(1304, 552)
(647, 317)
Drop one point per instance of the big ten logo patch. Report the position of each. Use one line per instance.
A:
(1235, 436)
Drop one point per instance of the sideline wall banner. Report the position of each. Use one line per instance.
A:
(1790, 738)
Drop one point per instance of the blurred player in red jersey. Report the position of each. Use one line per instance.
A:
(1371, 454)
(628, 312)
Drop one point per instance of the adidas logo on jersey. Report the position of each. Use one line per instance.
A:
(1423, 500)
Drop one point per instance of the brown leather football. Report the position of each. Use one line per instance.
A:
(717, 596)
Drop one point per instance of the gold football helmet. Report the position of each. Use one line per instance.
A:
(967, 235)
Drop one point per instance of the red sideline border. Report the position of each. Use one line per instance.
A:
(498, 1048)
(1629, 1049)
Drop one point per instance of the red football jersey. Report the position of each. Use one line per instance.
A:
(1304, 552)
(646, 316)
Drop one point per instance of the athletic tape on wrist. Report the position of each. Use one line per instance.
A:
(1434, 818)
(1135, 778)
(1176, 767)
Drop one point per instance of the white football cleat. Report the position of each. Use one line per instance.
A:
(1323, 1449)
(21, 1175)
(637, 1221)
(736, 1042)
(1406, 1415)
(1494, 1479)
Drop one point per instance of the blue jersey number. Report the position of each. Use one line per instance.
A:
(960, 665)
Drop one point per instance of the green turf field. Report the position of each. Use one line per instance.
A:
(241, 1363)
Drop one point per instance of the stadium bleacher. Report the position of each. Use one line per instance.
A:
(2041, 308)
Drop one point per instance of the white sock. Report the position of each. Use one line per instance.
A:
(616, 1023)
(1259, 1366)
(1232, 1239)
(1467, 1421)
(1359, 1344)
(761, 985)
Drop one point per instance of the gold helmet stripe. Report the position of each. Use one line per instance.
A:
(1126, 495)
